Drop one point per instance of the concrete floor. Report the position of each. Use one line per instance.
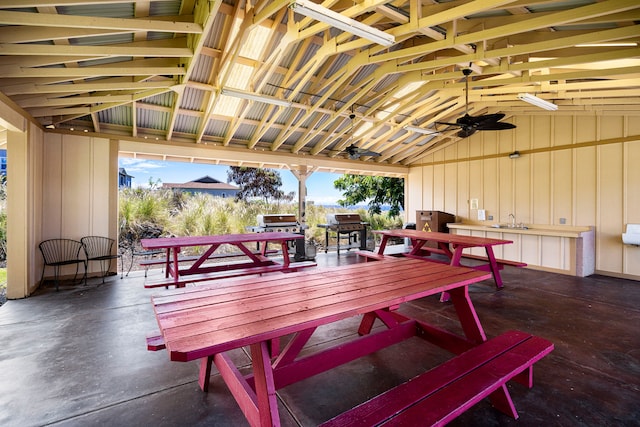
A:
(78, 357)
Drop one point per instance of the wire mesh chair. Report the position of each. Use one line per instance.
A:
(98, 248)
(60, 252)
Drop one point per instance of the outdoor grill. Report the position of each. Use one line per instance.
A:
(286, 223)
(348, 227)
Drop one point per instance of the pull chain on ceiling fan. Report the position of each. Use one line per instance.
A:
(354, 152)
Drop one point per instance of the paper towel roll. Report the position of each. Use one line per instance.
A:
(631, 238)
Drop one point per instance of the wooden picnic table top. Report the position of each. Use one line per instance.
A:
(436, 236)
(210, 319)
(173, 242)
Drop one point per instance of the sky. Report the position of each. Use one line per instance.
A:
(320, 188)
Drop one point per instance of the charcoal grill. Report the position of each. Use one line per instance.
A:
(347, 227)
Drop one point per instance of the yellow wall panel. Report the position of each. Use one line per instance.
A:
(585, 186)
(490, 185)
(563, 130)
(541, 191)
(610, 207)
(562, 186)
(631, 254)
(531, 249)
(543, 132)
(522, 194)
(610, 126)
(586, 128)
(551, 252)
(505, 202)
(439, 185)
(451, 180)
(462, 191)
(524, 133)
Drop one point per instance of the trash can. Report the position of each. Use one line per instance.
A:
(407, 241)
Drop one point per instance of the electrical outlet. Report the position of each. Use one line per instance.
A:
(563, 221)
(490, 217)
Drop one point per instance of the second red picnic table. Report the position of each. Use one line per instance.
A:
(257, 263)
(450, 245)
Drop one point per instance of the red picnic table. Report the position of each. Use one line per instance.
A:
(199, 268)
(206, 322)
(446, 242)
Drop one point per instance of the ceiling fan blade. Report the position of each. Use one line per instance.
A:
(489, 118)
(496, 126)
(369, 153)
(355, 153)
(448, 124)
(466, 132)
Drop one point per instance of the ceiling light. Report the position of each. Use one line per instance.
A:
(538, 102)
(421, 130)
(514, 155)
(612, 44)
(253, 97)
(328, 16)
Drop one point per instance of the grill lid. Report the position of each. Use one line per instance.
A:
(343, 218)
(275, 220)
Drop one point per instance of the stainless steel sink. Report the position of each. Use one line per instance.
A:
(509, 226)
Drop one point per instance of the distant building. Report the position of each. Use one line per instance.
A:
(207, 185)
(3, 162)
(124, 179)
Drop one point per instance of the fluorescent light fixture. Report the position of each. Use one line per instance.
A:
(421, 130)
(328, 16)
(611, 44)
(253, 97)
(538, 102)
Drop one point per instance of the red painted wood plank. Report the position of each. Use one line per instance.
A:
(443, 237)
(195, 333)
(502, 355)
(279, 300)
(179, 242)
(446, 404)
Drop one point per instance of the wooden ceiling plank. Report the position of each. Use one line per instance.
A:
(75, 21)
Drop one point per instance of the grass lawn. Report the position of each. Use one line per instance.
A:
(3, 277)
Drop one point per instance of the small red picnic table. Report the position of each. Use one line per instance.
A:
(446, 242)
(256, 264)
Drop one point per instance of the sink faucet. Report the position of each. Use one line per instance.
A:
(513, 220)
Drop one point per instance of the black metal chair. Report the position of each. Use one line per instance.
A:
(146, 255)
(99, 248)
(60, 252)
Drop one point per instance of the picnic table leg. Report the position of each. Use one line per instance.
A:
(467, 314)
(455, 258)
(495, 270)
(285, 253)
(383, 244)
(265, 389)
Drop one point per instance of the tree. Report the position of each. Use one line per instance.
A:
(376, 190)
(255, 182)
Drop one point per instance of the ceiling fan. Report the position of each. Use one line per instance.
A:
(354, 152)
(470, 124)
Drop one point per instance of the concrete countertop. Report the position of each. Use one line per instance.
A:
(532, 229)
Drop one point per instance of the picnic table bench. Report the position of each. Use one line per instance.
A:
(229, 273)
(446, 391)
